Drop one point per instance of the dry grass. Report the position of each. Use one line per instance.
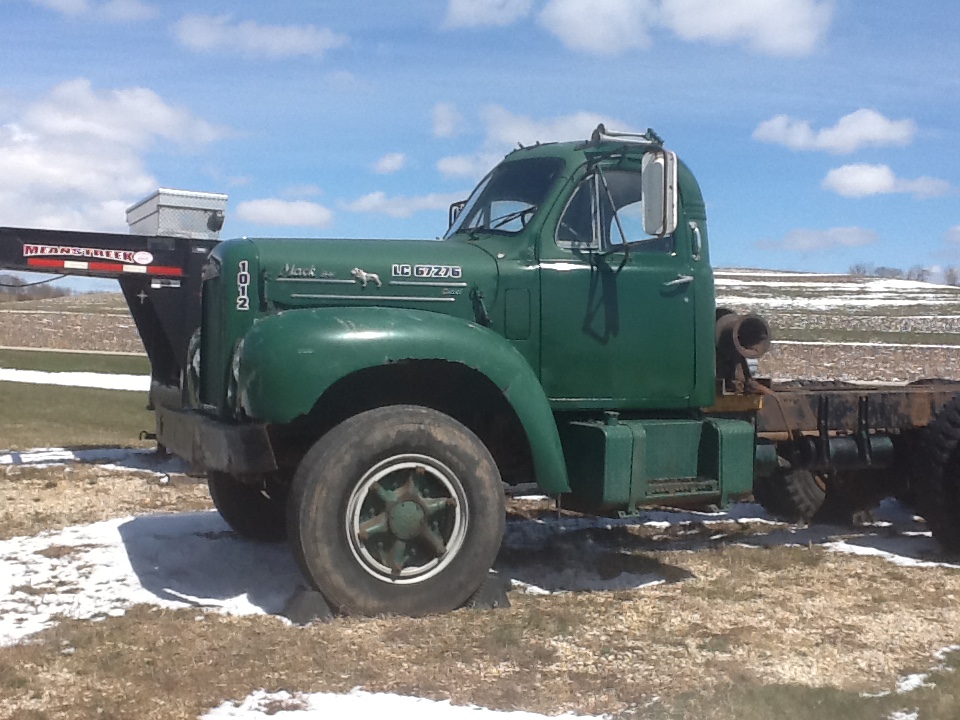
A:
(36, 499)
(871, 364)
(738, 633)
(98, 321)
(784, 624)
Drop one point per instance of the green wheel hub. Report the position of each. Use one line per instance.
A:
(406, 519)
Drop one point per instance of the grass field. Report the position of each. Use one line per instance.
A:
(47, 415)
(52, 416)
(74, 362)
(111, 303)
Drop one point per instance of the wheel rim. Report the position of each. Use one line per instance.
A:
(406, 519)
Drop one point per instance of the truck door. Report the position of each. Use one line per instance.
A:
(617, 313)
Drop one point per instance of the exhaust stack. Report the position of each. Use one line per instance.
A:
(739, 338)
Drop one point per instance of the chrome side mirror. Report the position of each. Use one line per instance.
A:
(658, 189)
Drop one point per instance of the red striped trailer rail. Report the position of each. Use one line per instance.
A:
(160, 277)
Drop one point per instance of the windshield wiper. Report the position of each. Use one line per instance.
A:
(499, 222)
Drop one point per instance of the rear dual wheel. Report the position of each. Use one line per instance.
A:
(936, 483)
(794, 495)
(800, 495)
(397, 510)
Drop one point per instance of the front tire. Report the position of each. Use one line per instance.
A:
(397, 510)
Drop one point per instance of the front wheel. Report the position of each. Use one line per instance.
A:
(397, 510)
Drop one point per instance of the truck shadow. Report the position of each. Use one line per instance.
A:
(573, 552)
(194, 559)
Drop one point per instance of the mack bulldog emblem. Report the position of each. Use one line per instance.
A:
(365, 277)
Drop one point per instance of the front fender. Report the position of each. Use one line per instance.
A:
(288, 360)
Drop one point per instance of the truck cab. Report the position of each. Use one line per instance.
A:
(601, 284)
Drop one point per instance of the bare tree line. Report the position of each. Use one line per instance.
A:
(950, 274)
(16, 288)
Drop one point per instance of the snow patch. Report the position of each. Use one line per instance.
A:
(103, 381)
(109, 457)
(172, 561)
(359, 703)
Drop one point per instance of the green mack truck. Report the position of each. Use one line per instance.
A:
(369, 400)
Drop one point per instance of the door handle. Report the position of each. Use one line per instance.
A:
(680, 280)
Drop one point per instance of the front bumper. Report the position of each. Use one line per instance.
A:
(210, 444)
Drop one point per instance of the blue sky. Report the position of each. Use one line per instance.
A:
(823, 132)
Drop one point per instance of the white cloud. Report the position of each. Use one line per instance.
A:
(401, 206)
(274, 211)
(219, 33)
(390, 163)
(74, 159)
(772, 27)
(111, 10)
(474, 13)
(862, 128)
(473, 166)
(602, 28)
(504, 130)
(861, 180)
(130, 116)
(953, 235)
(803, 240)
(611, 27)
(446, 120)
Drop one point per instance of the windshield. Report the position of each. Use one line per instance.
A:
(509, 197)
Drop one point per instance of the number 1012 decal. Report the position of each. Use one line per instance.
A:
(243, 285)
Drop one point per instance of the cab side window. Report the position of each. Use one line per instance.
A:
(606, 211)
(577, 229)
(624, 192)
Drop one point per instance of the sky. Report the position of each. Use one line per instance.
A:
(824, 133)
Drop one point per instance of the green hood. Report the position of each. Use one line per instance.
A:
(441, 276)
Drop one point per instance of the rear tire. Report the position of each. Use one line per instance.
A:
(397, 510)
(255, 512)
(794, 495)
(936, 484)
